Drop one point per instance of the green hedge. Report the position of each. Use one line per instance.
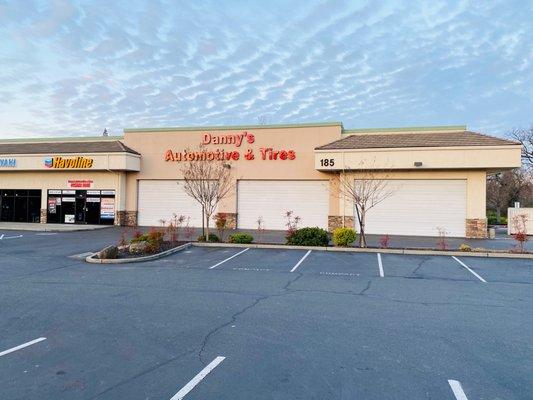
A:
(242, 238)
(344, 237)
(309, 237)
(212, 238)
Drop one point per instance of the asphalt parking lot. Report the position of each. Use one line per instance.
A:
(228, 323)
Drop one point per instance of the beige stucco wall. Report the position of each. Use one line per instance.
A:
(101, 161)
(474, 157)
(475, 188)
(58, 180)
(302, 140)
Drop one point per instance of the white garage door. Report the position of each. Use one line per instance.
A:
(419, 208)
(270, 200)
(158, 199)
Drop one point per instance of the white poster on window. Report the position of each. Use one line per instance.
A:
(107, 208)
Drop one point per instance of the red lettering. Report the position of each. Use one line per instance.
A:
(282, 155)
(291, 154)
(263, 153)
(207, 138)
(250, 138)
(235, 155)
(169, 155)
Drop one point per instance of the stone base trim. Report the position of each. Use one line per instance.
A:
(126, 218)
(476, 228)
(338, 221)
(44, 215)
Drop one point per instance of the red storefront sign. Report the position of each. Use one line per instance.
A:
(80, 183)
(237, 140)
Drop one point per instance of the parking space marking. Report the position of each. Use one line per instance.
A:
(380, 266)
(4, 237)
(197, 379)
(457, 390)
(301, 261)
(338, 273)
(229, 258)
(470, 270)
(251, 269)
(21, 346)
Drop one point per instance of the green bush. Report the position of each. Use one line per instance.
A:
(212, 238)
(465, 247)
(242, 238)
(154, 240)
(343, 237)
(309, 237)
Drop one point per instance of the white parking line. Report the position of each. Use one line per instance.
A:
(2, 236)
(11, 237)
(11, 350)
(229, 258)
(380, 266)
(457, 390)
(301, 261)
(197, 379)
(470, 270)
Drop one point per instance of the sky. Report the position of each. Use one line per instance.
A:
(73, 68)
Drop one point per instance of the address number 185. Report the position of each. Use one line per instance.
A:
(327, 162)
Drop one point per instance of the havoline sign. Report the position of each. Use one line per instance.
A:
(68, 163)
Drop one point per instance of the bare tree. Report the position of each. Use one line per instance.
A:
(207, 182)
(525, 137)
(504, 188)
(366, 191)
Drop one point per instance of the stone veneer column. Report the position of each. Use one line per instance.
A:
(336, 221)
(126, 218)
(476, 228)
(44, 216)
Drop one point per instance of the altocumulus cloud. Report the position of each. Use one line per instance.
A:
(75, 67)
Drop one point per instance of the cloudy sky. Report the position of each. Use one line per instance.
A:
(75, 67)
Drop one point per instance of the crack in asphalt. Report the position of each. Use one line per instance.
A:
(243, 310)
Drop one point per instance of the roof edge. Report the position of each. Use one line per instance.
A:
(65, 139)
(231, 127)
(437, 128)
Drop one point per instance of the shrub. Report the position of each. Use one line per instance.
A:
(309, 237)
(465, 247)
(243, 238)
(212, 238)
(343, 237)
(153, 238)
(384, 241)
(291, 224)
(221, 223)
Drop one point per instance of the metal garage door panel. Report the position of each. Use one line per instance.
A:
(159, 199)
(419, 207)
(270, 200)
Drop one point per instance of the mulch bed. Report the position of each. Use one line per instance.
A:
(124, 252)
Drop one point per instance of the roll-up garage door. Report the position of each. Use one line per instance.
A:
(270, 200)
(420, 208)
(159, 199)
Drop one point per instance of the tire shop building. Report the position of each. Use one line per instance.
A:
(436, 176)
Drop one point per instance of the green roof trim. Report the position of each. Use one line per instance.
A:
(439, 128)
(64, 139)
(231, 127)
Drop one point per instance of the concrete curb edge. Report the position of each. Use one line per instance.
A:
(371, 250)
(90, 259)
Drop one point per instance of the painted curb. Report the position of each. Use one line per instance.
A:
(371, 250)
(90, 259)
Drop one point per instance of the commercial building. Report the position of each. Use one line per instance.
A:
(435, 176)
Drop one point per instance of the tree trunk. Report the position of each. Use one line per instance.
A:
(207, 217)
(362, 237)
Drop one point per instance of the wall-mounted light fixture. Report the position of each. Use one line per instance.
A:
(418, 163)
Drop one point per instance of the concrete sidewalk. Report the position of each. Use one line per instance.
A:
(36, 227)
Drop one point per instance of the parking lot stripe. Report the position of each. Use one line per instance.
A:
(470, 270)
(229, 258)
(2, 236)
(19, 347)
(301, 261)
(197, 379)
(380, 265)
(457, 390)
